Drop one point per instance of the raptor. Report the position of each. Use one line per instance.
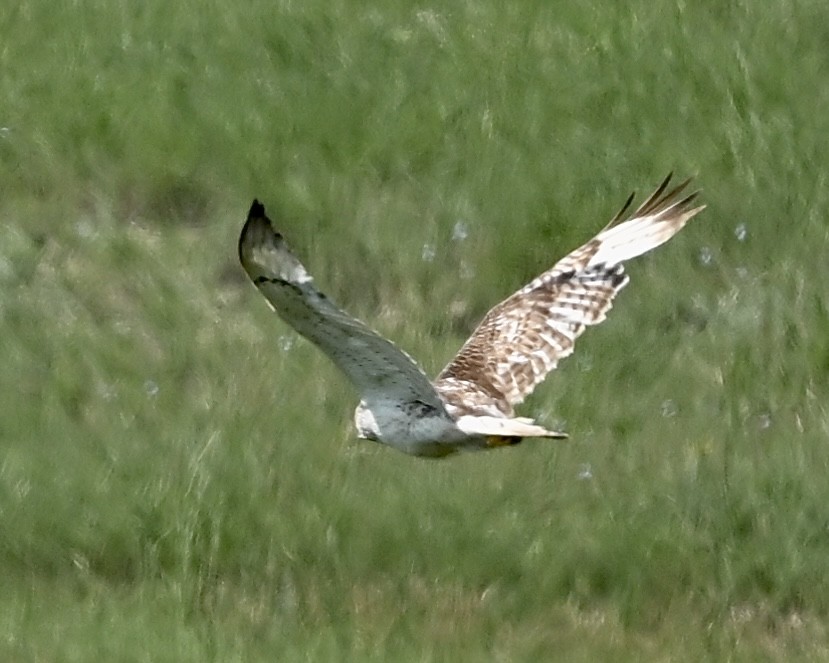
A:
(470, 405)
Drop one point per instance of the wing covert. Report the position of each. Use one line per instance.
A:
(374, 365)
(524, 337)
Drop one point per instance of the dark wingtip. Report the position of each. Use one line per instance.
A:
(256, 209)
(256, 219)
(621, 213)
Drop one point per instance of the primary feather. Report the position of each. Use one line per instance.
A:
(470, 404)
(524, 337)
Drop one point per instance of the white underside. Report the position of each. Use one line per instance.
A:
(436, 436)
(386, 422)
(500, 426)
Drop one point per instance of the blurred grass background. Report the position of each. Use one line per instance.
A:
(179, 480)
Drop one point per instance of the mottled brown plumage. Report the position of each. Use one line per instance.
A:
(470, 404)
(524, 337)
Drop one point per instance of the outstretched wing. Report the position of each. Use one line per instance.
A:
(374, 365)
(524, 337)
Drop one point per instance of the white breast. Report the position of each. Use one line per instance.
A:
(406, 427)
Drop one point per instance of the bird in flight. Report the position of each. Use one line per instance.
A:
(469, 406)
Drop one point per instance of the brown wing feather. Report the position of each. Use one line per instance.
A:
(524, 337)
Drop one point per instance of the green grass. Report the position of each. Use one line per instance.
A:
(179, 480)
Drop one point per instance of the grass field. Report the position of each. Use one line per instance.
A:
(179, 478)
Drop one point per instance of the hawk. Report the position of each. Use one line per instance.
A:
(470, 404)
